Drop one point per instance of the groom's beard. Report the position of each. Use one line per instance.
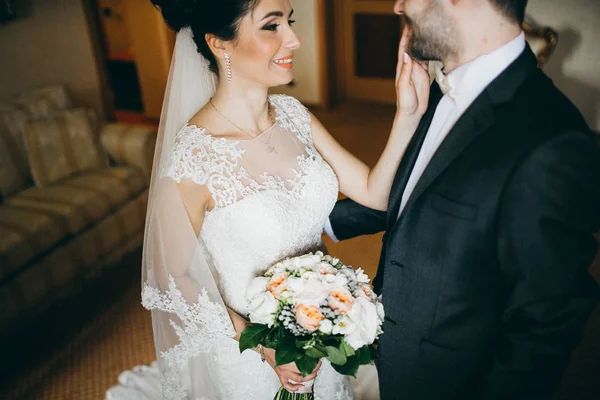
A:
(432, 34)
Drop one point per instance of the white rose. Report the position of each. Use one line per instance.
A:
(326, 326)
(295, 285)
(361, 276)
(312, 293)
(364, 315)
(256, 287)
(341, 280)
(263, 308)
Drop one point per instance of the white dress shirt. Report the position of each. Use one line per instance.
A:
(467, 82)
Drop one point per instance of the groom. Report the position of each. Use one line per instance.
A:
(488, 231)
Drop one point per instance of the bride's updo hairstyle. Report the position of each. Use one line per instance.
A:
(218, 17)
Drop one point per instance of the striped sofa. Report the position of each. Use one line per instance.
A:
(56, 235)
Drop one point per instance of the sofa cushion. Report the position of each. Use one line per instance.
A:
(24, 234)
(14, 168)
(85, 199)
(63, 145)
(41, 102)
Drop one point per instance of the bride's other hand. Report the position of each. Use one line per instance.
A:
(289, 372)
(412, 83)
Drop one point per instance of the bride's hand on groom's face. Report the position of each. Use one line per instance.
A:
(412, 82)
(289, 372)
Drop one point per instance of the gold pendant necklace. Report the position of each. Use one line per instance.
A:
(270, 147)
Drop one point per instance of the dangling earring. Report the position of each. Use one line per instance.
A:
(228, 62)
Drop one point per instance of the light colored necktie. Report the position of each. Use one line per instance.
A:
(444, 81)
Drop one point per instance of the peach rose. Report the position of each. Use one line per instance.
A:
(278, 284)
(341, 300)
(308, 317)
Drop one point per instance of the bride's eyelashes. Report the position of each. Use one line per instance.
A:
(273, 27)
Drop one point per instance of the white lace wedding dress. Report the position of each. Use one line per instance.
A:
(273, 195)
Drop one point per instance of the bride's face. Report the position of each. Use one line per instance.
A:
(265, 46)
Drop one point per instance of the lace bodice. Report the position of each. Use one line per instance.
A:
(268, 205)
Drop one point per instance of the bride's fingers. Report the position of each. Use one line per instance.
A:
(406, 72)
(402, 49)
(290, 387)
(420, 79)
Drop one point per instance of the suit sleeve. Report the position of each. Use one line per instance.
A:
(350, 219)
(549, 212)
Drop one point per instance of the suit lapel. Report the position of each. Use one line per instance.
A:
(410, 156)
(478, 118)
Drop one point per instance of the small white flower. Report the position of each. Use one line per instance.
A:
(326, 326)
(275, 269)
(335, 261)
(307, 261)
(344, 326)
(341, 280)
(361, 276)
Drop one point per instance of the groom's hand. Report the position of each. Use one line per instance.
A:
(412, 83)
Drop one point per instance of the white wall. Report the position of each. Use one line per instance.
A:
(306, 61)
(575, 65)
(49, 44)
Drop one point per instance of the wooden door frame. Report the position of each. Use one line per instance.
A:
(94, 27)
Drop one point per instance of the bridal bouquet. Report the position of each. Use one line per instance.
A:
(312, 307)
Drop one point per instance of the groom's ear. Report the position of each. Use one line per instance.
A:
(216, 45)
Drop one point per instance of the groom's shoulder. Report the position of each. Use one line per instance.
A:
(545, 106)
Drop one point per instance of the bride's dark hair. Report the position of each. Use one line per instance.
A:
(218, 17)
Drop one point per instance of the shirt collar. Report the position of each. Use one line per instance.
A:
(470, 79)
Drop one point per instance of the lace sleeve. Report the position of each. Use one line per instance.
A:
(190, 157)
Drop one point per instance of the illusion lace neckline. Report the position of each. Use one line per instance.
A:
(207, 132)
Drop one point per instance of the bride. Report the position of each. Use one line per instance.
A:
(241, 180)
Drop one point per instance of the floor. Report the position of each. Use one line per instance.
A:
(77, 351)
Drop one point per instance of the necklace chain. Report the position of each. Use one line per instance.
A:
(270, 147)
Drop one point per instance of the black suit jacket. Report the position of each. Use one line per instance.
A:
(485, 276)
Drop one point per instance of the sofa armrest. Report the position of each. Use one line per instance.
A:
(130, 144)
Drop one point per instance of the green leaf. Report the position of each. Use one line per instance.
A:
(252, 335)
(335, 355)
(306, 365)
(273, 338)
(349, 368)
(287, 352)
(314, 352)
(363, 355)
(347, 349)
